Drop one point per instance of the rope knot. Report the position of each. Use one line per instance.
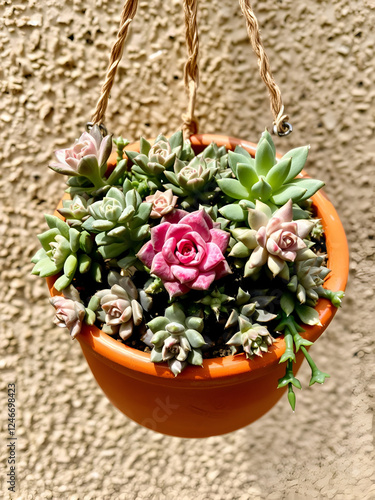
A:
(281, 126)
(190, 125)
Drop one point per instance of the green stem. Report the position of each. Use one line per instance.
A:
(289, 352)
(317, 376)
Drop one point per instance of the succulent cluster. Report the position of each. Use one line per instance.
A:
(187, 255)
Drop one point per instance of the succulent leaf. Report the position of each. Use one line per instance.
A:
(264, 157)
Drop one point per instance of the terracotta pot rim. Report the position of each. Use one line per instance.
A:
(139, 362)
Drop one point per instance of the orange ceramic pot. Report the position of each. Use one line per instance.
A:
(227, 393)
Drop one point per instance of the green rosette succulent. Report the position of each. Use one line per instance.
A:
(75, 211)
(266, 178)
(120, 220)
(219, 154)
(254, 339)
(177, 339)
(64, 249)
(153, 160)
(193, 180)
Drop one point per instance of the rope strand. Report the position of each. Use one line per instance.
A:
(127, 15)
(280, 119)
(191, 70)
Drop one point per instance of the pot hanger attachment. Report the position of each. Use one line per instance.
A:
(102, 128)
(281, 127)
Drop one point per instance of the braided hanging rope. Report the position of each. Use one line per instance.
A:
(127, 15)
(191, 71)
(281, 125)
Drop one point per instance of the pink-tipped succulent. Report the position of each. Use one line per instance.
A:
(87, 157)
(187, 254)
(275, 239)
(162, 203)
(69, 311)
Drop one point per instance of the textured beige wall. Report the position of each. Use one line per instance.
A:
(72, 444)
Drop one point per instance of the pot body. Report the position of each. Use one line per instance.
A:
(226, 393)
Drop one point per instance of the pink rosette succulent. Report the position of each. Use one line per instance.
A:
(278, 238)
(186, 251)
(69, 312)
(162, 203)
(90, 145)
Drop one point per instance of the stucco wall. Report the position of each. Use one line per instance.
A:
(72, 444)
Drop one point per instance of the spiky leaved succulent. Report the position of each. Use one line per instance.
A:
(247, 307)
(64, 249)
(120, 220)
(177, 339)
(267, 179)
(253, 338)
(273, 239)
(215, 301)
(120, 309)
(75, 211)
(153, 160)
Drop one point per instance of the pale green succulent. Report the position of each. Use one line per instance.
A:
(265, 178)
(120, 221)
(75, 211)
(194, 179)
(64, 249)
(177, 339)
(254, 339)
(153, 160)
(218, 154)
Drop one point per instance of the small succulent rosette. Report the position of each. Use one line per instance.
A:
(188, 256)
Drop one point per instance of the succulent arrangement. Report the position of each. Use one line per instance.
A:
(188, 256)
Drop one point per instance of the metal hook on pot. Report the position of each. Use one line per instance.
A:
(102, 128)
(288, 129)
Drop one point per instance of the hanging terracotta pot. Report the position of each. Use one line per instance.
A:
(227, 393)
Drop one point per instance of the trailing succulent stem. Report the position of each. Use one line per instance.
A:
(293, 343)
